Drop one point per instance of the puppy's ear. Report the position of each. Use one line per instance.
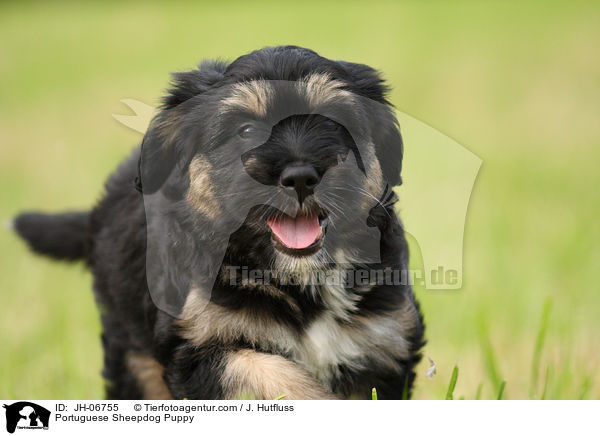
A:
(188, 84)
(158, 156)
(161, 149)
(367, 82)
(388, 143)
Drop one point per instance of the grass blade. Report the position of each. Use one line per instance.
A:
(585, 388)
(479, 389)
(539, 346)
(501, 391)
(546, 378)
(488, 353)
(452, 385)
(373, 394)
(405, 389)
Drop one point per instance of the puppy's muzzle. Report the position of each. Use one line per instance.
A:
(302, 179)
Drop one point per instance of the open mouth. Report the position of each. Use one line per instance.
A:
(299, 236)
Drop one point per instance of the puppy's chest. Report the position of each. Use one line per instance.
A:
(341, 340)
(326, 344)
(328, 347)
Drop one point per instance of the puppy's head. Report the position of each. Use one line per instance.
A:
(283, 153)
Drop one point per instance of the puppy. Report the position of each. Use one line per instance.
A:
(250, 247)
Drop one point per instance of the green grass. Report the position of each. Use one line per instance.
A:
(479, 390)
(514, 82)
(452, 384)
(501, 390)
(537, 352)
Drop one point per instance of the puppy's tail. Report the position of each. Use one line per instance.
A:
(61, 236)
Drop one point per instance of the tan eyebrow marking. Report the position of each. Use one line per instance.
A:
(253, 96)
(320, 88)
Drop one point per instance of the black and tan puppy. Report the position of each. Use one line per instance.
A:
(239, 250)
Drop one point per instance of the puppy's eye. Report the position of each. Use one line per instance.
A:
(247, 130)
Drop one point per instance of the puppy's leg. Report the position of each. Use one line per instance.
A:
(120, 382)
(212, 372)
(267, 376)
(148, 374)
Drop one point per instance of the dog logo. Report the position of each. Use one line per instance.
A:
(26, 415)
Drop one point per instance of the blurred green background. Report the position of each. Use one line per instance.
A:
(517, 83)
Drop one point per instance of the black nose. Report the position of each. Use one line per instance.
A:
(302, 179)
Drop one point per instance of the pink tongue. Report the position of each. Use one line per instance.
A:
(299, 232)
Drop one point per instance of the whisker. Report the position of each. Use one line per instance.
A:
(366, 193)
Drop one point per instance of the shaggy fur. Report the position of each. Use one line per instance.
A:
(243, 338)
